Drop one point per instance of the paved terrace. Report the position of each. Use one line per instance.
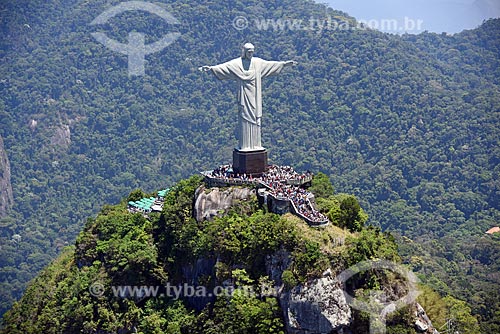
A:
(281, 183)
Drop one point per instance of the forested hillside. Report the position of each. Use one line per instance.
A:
(259, 258)
(406, 123)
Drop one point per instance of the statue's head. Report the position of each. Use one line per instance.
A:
(247, 51)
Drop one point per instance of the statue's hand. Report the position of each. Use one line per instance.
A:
(290, 63)
(204, 68)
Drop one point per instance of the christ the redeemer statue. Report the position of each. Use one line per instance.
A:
(248, 71)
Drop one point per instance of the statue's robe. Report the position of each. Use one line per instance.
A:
(249, 95)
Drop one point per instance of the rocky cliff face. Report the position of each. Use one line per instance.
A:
(6, 197)
(422, 322)
(191, 275)
(316, 307)
(319, 306)
(61, 136)
(214, 201)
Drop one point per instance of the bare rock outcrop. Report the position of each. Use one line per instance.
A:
(213, 202)
(6, 197)
(422, 323)
(61, 136)
(316, 307)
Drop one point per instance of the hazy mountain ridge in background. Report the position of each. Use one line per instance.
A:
(436, 16)
(408, 124)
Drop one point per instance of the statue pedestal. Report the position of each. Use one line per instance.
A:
(250, 162)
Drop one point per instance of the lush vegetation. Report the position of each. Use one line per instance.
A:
(408, 124)
(119, 248)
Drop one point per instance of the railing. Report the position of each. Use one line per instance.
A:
(299, 182)
(307, 219)
(224, 181)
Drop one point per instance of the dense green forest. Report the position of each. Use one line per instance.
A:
(409, 124)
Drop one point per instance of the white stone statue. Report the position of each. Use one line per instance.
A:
(248, 71)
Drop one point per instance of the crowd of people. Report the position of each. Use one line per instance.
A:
(226, 172)
(277, 180)
(298, 196)
(305, 208)
(284, 174)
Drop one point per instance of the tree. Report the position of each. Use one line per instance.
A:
(350, 214)
(136, 195)
(321, 186)
(460, 315)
